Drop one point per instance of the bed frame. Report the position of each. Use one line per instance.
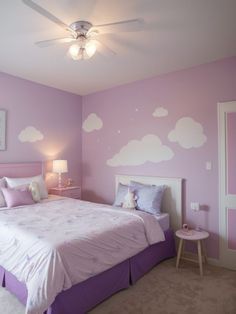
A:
(82, 297)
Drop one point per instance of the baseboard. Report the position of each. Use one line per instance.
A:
(214, 262)
(210, 260)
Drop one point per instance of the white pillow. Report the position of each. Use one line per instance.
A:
(14, 182)
(2, 199)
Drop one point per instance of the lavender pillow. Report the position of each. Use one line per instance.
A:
(17, 197)
(149, 197)
(2, 199)
(120, 194)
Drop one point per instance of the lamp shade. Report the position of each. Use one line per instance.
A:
(59, 166)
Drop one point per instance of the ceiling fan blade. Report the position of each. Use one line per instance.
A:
(122, 26)
(103, 49)
(54, 41)
(92, 33)
(45, 13)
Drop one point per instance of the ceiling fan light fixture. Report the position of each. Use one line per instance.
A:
(74, 51)
(90, 48)
(83, 50)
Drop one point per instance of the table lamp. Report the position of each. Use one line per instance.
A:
(59, 166)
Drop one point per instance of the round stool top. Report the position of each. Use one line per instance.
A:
(192, 235)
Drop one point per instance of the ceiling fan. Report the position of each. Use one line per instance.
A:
(84, 35)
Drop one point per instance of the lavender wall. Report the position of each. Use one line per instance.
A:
(123, 114)
(56, 114)
(126, 114)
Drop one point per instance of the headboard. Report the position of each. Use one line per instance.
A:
(172, 198)
(17, 170)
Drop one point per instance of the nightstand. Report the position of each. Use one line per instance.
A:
(67, 191)
(195, 236)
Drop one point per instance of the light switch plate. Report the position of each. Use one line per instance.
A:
(208, 165)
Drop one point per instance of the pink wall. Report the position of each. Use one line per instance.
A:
(126, 112)
(56, 114)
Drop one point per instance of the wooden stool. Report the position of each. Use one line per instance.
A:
(195, 236)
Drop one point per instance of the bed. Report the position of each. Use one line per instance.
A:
(85, 295)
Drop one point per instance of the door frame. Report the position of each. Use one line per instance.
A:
(224, 252)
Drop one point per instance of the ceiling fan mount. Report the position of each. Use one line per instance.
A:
(80, 27)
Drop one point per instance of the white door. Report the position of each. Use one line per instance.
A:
(227, 183)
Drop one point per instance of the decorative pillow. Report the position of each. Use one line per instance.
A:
(14, 182)
(120, 194)
(34, 189)
(17, 197)
(2, 199)
(149, 197)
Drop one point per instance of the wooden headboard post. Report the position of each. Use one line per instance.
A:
(172, 199)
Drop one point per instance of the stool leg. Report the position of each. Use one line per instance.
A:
(204, 251)
(183, 248)
(179, 252)
(199, 256)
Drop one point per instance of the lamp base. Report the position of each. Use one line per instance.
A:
(59, 181)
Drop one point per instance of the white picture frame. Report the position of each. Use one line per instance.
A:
(3, 117)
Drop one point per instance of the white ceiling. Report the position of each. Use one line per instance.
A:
(177, 34)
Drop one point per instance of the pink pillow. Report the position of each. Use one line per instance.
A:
(17, 197)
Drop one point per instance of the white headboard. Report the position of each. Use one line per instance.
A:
(172, 199)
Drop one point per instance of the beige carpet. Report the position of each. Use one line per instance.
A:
(164, 291)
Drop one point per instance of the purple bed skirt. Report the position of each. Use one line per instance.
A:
(87, 294)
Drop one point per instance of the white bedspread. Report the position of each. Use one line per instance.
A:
(57, 244)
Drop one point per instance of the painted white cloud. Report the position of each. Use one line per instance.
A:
(92, 123)
(188, 133)
(137, 152)
(160, 112)
(30, 134)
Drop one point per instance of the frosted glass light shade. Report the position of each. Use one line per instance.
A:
(59, 166)
(84, 50)
(90, 48)
(74, 52)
